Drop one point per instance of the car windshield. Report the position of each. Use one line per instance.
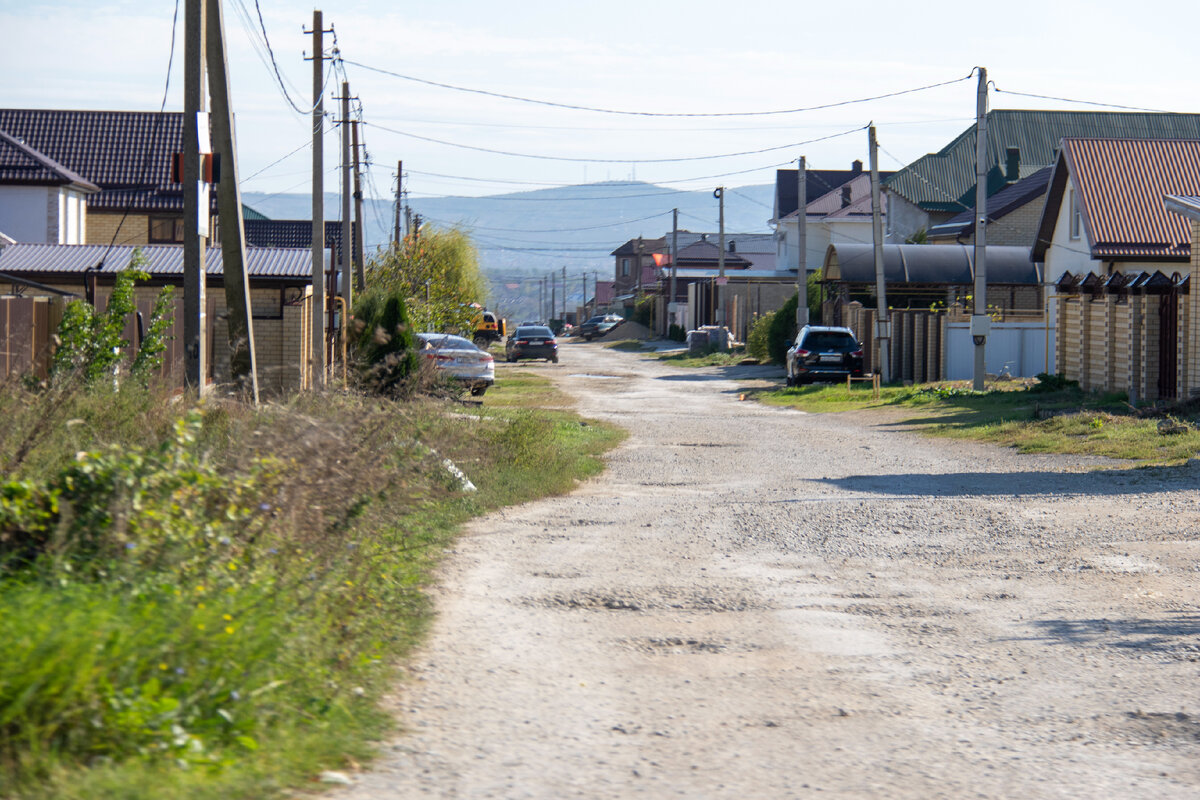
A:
(594, 320)
(445, 341)
(829, 340)
(534, 331)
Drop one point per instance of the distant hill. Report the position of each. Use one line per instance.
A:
(521, 236)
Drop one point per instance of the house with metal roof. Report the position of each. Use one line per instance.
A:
(940, 185)
(1013, 214)
(40, 199)
(1121, 256)
(125, 156)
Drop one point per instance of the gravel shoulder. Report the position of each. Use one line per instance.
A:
(756, 602)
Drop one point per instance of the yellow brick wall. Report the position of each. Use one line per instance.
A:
(101, 227)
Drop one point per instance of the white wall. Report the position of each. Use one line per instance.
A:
(1019, 345)
(818, 236)
(23, 213)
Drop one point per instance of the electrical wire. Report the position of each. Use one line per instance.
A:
(562, 230)
(615, 160)
(924, 180)
(574, 107)
(1080, 102)
(276, 161)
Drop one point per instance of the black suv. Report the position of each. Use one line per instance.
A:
(823, 354)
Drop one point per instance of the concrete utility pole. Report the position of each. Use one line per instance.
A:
(637, 267)
(542, 299)
(883, 325)
(318, 205)
(583, 302)
(399, 201)
(347, 247)
(195, 200)
(674, 258)
(360, 276)
(720, 288)
(802, 243)
(564, 274)
(980, 321)
(242, 365)
(553, 299)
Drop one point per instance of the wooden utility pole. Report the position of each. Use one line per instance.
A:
(242, 366)
(720, 287)
(883, 325)
(674, 258)
(195, 200)
(399, 202)
(980, 321)
(360, 275)
(802, 244)
(318, 205)
(344, 252)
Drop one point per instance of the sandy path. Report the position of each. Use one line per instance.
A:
(754, 602)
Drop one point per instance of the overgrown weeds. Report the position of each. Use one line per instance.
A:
(206, 600)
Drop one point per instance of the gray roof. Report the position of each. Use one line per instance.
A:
(162, 260)
(1183, 204)
(929, 264)
(22, 165)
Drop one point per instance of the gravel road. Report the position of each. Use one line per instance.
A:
(759, 603)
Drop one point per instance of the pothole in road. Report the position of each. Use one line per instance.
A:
(650, 600)
(677, 645)
(1159, 727)
(594, 376)
(557, 575)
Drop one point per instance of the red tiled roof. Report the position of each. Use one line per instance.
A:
(1121, 185)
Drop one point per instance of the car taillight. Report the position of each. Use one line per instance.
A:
(857, 354)
(803, 353)
(551, 341)
(522, 341)
(441, 357)
(487, 357)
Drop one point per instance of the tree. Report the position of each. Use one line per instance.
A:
(383, 340)
(437, 274)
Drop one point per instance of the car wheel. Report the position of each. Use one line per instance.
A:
(587, 338)
(510, 359)
(477, 391)
(554, 358)
(790, 381)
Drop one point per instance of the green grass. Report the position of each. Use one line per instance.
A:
(627, 345)
(683, 359)
(240, 657)
(1010, 414)
(524, 390)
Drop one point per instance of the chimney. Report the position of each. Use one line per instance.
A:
(845, 196)
(856, 166)
(732, 246)
(1012, 167)
(704, 237)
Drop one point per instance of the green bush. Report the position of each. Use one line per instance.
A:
(782, 330)
(677, 333)
(759, 337)
(383, 341)
(1052, 383)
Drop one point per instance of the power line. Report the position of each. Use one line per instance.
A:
(1080, 102)
(654, 113)
(562, 230)
(276, 161)
(615, 160)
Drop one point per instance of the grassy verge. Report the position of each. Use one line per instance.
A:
(209, 602)
(683, 359)
(626, 345)
(1018, 415)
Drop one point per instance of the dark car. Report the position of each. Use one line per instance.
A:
(598, 326)
(823, 354)
(531, 341)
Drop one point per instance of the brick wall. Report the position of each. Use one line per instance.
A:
(101, 227)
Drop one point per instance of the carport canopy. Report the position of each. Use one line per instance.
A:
(929, 265)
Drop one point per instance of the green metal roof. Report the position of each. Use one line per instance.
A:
(250, 213)
(945, 180)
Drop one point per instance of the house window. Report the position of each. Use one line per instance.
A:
(166, 230)
(624, 267)
(1076, 217)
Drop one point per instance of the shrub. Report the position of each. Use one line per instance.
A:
(677, 333)
(1047, 383)
(758, 340)
(383, 341)
(782, 330)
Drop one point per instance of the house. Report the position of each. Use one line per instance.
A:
(280, 295)
(634, 264)
(941, 185)
(834, 213)
(1121, 262)
(40, 200)
(125, 156)
(1013, 215)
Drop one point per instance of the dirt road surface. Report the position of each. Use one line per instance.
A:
(760, 603)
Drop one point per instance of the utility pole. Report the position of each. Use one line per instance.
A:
(360, 276)
(317, 380)
(583, 302)
(407, 219)
(720, 288)
(802, 244)
(674, 258)
(195, 200)
(883, 325)
(641, 248)
(399, 201)
(564, 274)
(242, 366)
(542, 299)
(553, 300)
(980, 321)
(347, 242)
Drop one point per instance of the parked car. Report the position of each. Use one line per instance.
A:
(600, 325)
(531, 341)
(459, 359)
(822, 353)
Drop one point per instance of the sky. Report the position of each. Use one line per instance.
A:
(659, 56)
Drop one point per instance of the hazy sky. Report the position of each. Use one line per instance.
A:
(652, 55)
